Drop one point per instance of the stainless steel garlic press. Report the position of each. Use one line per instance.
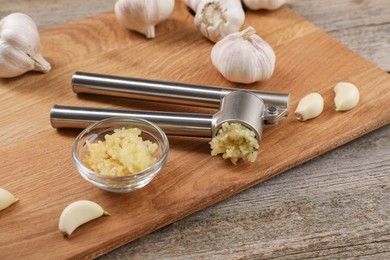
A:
(253, 109)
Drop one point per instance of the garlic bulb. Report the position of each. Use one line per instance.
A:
(19, 46)
(218, 18)
(264, 4)
(193, 4)
(309, 106)
(143, 15)
(347, 96)
(244, 57)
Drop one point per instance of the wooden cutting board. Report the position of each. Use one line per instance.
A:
(36, 159)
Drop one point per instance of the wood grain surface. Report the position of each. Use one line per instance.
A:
(335, 206)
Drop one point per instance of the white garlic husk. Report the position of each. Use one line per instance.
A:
(244, 57)
(142, 16)
(264, 4)
(310, 106)
(218, 18)
(193, 4)
(347, 96)
(19, 46)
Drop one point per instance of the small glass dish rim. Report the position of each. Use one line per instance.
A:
(86, 172)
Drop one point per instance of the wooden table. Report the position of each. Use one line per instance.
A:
(335, 206)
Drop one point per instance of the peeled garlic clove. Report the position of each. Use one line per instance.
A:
(347, 96)
(244, 57)
(78, 213)
(309, 107)
(142, 16)
(6, 199)
(19, 46)
(219, 18)
(264, 4)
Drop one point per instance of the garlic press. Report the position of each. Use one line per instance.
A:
(253, 109)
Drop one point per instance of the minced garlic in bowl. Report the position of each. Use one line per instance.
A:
(235, 141)
(120, 154)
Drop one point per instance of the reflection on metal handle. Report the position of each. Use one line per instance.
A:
(184, 124)
(170, 92)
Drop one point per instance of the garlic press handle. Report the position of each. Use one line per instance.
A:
(169, 92)
(183, 124)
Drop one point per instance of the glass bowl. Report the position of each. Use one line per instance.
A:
(120, 184)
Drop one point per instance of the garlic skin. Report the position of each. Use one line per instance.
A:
(19, 46)
(193, 4)
(78, 213)
(218, 18)
(142, 16)
(6, 199)
(244, 57)
(347, 96)
(264, 4)
(310, 106)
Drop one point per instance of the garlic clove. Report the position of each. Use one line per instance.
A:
(78, 213)
(309, 107)
(244, 57)
(142, 16)
(6, 199)
(19, 46)
(216, 18)
(264, 4)
(347, 96)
